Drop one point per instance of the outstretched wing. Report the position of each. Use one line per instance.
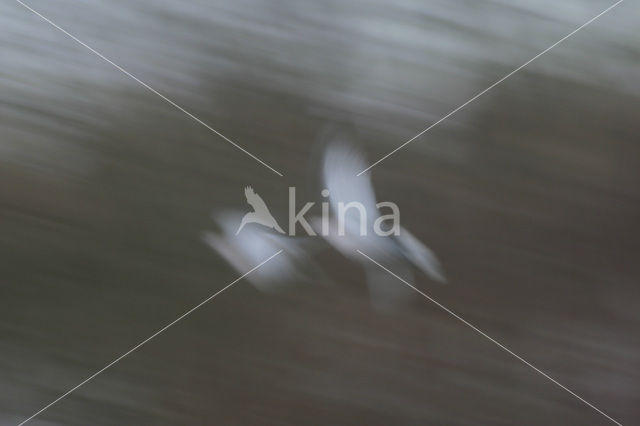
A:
(342, 162)
(420, 255)
(255, 201)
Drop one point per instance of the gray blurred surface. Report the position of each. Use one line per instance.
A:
(530, 196)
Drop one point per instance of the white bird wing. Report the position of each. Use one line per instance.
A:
(420, 255)
(342, 163)
(254, 245)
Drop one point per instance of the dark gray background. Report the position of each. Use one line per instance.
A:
(529, 196)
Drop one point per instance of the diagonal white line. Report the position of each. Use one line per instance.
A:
(147, 339)
(146, 86)
(500, 345)
(491, 87)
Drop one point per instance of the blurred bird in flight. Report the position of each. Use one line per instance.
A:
(340, 166)
(342, 162)
(253, 246)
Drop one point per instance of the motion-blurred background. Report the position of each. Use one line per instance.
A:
(530, 196)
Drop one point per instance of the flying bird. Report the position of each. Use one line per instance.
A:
(260, 213)
(256, 244)
(342, 162)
